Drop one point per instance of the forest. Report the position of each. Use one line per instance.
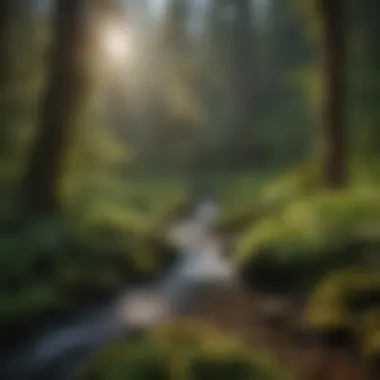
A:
(252, 126)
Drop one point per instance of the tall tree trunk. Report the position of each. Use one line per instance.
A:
(371, 92)
(6, 15)
(67, 84)
(8, 9)
(333, 131)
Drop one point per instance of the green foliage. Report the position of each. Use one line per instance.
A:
(21, 80)
(119, 359)
(305, 234)
(184, 351)
(315, 223)
(308, 11)
(240, 202)
(346, 299)
(248, 200)
(370, 330)
(53, 265)
(116, 215)
(341, 298)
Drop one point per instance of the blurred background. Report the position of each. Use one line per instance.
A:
(177, 177)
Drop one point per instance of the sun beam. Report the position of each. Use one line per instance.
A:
(116, 43)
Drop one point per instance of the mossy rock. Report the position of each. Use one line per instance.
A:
(347, 300)
(351, 292)
(315, 232)
(326, 307)
(370, 333)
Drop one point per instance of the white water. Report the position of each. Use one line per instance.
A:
(202, 254)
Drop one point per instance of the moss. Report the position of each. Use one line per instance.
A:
(120, 359)
(331, 319)
(47, 267)
(182, 351)
(226, 368)
(250, 200)
(28, 304)
(371, 343)
(326, 306)
(138, 362)
(174, 207)
(317, 232)
(234, 221)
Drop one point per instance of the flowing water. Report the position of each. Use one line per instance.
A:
(58, 352)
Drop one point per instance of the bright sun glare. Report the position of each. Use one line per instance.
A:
(117, 43)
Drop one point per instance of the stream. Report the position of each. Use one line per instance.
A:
(59, 352)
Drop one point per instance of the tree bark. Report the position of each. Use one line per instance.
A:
(65, 93)
(5, 15)
(333, 131)
(371, 92)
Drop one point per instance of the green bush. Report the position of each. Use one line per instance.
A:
(315, 233)
(52, 266)
(135, 362)
(227, 368)
(174, 355)
(316, 223)
(175, 206)
(249, 201)
(110, 235)
(223, 369)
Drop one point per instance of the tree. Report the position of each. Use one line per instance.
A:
(67, 85)
(333, 132)
(21, 56)
(5, 18)
(364, 37)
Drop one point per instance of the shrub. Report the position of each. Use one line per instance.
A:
(52, 266)
(313, 234)
(182, 351)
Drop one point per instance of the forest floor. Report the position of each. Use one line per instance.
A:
(282, 234)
